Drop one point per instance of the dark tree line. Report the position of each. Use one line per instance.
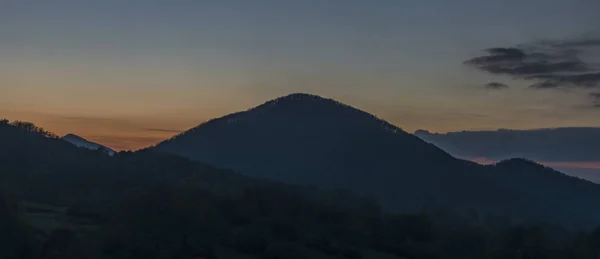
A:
(269, 222)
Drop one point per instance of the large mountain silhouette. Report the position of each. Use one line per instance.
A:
(302, 138)
(39, 166)
(144, 203)
(153, 202)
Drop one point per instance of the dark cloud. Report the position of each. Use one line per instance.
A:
(516, 62)
(499, 55)
(562, 64)
(596, 97)
(507, 52)
(586, 80)
(544, 85)
(495, 86)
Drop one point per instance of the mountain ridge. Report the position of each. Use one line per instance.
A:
(544, 144)
(296, 98)
(573, 150)
(150, 202)
(307, 139)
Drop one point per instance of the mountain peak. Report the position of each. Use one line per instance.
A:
(307, 139)
(299, 99)
(313, 112)
(302, 97)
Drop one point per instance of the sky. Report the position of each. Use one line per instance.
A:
(128, 74)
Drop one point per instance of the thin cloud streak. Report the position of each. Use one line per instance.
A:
(496, 86)
(122, 143)
(165, 130)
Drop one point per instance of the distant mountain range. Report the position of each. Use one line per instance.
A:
(575, 151)
(298, 139)
(151, 202)
(84, 143)
(307, 139)
(553, 144)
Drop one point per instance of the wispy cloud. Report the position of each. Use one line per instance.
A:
(596, 98)
(165, 130)
(117, 142)
(584, 80)
(519, 63)
(495, 86)
(550, 64)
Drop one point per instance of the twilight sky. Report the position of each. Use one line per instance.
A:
(131, 73)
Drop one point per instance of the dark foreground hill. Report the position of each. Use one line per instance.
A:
(38, 165)
(59, 201)
(137, 202)
(308, 139)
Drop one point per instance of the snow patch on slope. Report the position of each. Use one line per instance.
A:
(83, 143)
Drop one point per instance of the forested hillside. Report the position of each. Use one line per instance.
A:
(60, 201)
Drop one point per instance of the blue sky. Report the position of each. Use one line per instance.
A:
(173, 64)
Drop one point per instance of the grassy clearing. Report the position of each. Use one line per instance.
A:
(46, 218)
